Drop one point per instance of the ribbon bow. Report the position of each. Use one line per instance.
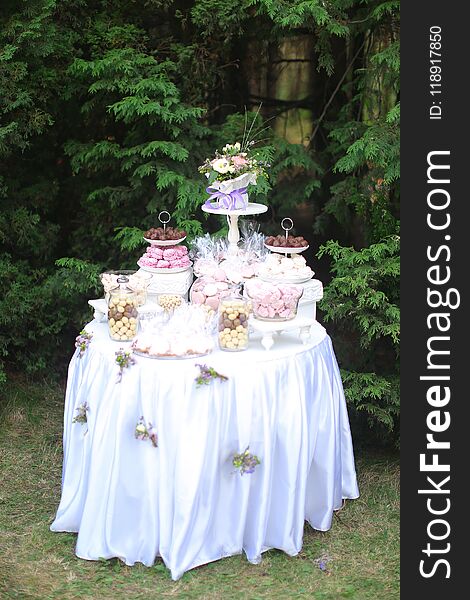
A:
(232, 201)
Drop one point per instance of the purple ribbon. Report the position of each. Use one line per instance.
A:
(232, 201)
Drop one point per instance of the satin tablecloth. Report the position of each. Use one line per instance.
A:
(184, 501)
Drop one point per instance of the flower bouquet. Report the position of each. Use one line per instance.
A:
(229, 174)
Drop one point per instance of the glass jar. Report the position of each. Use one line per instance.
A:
(138, 282)
(233, 314)
(272, 302)
(122, 311)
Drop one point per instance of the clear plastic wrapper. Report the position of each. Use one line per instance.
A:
(212, 258)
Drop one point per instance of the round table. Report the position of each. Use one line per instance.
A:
(183, 500)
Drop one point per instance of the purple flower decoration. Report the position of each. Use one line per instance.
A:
(82, 341)
(322, 563)
(245, 462)
(145, 431)
(81, 413)
(124, 359)
(207, 375)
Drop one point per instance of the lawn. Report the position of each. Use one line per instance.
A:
(358, 558)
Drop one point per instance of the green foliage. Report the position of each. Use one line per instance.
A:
(363, 299)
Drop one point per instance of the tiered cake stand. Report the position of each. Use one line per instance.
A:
(287, 224)
(313, 292)
(252, 209)
(168, 281)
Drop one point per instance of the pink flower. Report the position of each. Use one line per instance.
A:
(163, 264)
(239, 161)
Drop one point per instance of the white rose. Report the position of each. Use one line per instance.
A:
(221, 165)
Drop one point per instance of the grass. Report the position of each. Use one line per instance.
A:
(361, 550)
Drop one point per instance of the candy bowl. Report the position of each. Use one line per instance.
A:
(169, 302)
(273, 302)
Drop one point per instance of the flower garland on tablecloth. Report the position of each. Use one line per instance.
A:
(146, 431)
(207, 375)
(82, 341)
(245, 462)
(81, 416)
(124, 359)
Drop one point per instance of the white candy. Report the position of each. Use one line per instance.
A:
(210, 289)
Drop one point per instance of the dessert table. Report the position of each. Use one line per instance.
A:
(183, 500)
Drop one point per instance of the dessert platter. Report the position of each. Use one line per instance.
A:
(286, 244)
(164, 236)
(285, 269)
(165, 253)
(187, 334)
(189, 298)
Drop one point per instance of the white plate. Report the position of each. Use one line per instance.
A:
(160, 270)
(253, 208)
(165, 242)
(286, 250)
(163, 357)
(286, 279)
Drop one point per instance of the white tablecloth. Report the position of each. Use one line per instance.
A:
(184, 501)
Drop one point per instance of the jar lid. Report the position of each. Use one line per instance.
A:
(123, 285)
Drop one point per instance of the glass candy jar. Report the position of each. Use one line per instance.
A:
(233, 314)
(122, 311)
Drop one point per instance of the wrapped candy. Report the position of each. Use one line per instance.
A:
(212, 258)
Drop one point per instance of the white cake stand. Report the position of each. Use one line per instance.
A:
(269, 329)
(253, 208)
